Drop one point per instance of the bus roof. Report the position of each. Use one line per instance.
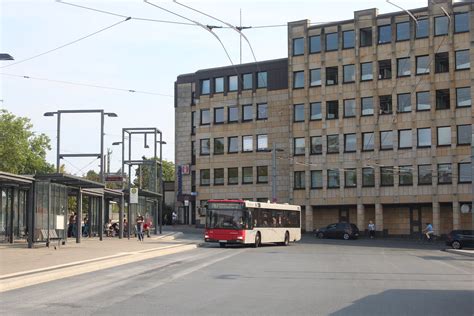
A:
(252, 204)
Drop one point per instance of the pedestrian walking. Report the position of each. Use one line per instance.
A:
(139, 227)
(174, 218)
(371, 229)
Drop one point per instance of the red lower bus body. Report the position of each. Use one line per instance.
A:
(228, 236)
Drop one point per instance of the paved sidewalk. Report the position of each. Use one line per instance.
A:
(15, 259)
(464, 252)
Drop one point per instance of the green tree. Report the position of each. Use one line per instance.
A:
(146, 183)
(22, 151)
(168, 170)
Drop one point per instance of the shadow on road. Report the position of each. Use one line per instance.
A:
(412, 302)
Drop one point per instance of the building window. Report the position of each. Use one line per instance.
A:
(316, 179)
(461, 22)
(205, 86)
(386, 140)
(403, 31)
(442, 99)
(332, 110)
(331, 76)
(262, 174)
(366, 72)
(404, 138)
(299, 146)
(464, 172)
(205, 117)
(349, 108)
(333, 178)
(233, 176)
(386, 176)
(205, 147)
(422, 65)
(316, 113)
(262, 79)
(424, 174)
(464, 134)
(367, 106)
(365, 37)
(247, 175)
(350, 178)
(298, 79)
(385, 34)
(247, 113)
(331, 41)
(219, 176)
(262, 142)
(193, 152)
(441, 25)
(262, 111)
(368, 141)
(233, 144)
(404, 102)
(405, 175)
(350, 143)
(442, 62)
(462, 59)
(385, 69)
(218, 146)
(348, 39)
(444, 136)
(247, 143)
(423, 102)
(422, 28)
(218, 115)
(333, 144)
(463, 97)
(233, 83)
(368, 177)
(247, 82)
(423, 137)
(445, 173)
(205, 177)
(403, 67)
(298, 46)
(233, 114)
(299, 180)
(193, 123)
(315, 77)
(219, 85)
(298, 113)
(385, 104)
(315, 44)
(316, 145)
(349, 73)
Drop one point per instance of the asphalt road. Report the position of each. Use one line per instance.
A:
(312, 277)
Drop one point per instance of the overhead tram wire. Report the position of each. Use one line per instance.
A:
(86, 85)
(65, 45)
(206, 27)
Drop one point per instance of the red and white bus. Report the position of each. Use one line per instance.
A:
(248, 222)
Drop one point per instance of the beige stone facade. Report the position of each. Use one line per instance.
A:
(383, 133)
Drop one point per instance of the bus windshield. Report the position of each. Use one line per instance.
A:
(227, 219)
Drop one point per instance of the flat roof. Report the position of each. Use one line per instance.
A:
(145, 193)
(11, 179)
(70, 180)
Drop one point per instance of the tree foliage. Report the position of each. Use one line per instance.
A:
(22, 151)
(146, 182)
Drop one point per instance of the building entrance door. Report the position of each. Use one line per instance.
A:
(344, 215)
(415, 221)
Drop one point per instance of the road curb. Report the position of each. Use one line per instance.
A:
(468, 253)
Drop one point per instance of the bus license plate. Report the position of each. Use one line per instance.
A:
(222, 240)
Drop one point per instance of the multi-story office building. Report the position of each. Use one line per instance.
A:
(372, 119)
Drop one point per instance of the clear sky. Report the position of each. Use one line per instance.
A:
(140, 55)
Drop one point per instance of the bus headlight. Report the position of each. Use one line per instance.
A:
(240, 237)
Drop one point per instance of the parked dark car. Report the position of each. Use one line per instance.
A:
(338, 230)
(461, 238)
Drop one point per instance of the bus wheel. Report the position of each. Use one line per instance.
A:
(257, 241)
(222, 244)
(287, 239)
